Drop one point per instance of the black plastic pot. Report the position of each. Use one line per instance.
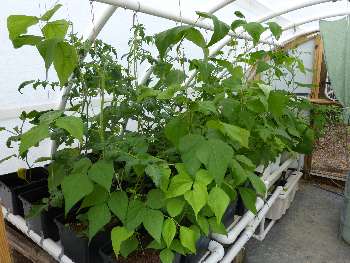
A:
(76, 246)
(107, 254)
(42, 224)
(11, 186)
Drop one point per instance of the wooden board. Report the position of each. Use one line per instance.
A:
(5, 256)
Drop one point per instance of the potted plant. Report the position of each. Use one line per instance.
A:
(169, 181)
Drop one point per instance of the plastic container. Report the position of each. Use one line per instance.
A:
(76, 246)
(11, 186)
(284, 200)
(42, 224)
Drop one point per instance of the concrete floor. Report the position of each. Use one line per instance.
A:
(308, 233)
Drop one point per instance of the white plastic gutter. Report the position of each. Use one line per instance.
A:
(250, 229)
(217, 252)
(52, 248)
(222, 43)
(212, 9)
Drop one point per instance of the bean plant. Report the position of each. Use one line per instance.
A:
(168, 181)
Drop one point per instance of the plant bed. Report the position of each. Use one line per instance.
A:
(11, 186)
(76, 245)
(42, 223)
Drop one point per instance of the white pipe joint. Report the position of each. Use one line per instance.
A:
(217, 252)
(249, 231)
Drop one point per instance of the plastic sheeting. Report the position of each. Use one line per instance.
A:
(336, 40)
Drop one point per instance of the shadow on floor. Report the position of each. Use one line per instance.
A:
(308, 233)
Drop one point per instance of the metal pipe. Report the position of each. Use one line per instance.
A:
(212, 9)
(52, 248)
(249, 231)
(136, 6)
(222, 43)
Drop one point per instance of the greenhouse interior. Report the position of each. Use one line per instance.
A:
(175, 131)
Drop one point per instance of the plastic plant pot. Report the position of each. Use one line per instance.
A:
(107, 254)
(42, 224)
(11, 186)
(76, 246)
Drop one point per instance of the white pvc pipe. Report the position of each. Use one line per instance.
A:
(212, 9)
(249, 231)
(145, 8)
(217, 252)
(264, 232)
(234, 230)
(52, 248)
(222, 43)
(270, 179)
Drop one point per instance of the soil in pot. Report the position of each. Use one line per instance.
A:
(11, 185)
(76, 245)
(43, 224)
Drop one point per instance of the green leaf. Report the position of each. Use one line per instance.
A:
(203, 177)
(188, 238)
(73, 125)
(167, 256)
(235, 133)
(159, 174)
(176, 129)
(75, 187)
(203, 224)
(65, 61)
(57, 173)
(197, 198)
(82, 166)
(246, 161)
(175, 206)
(262, 66)
(220, 28)
(56, 29)
(118, 203)
(118, 235)
(102, 173)
(257, 183)
(49, 13)
(277, 101)
(18, 25)
(128, 246)
(215, 227)
(179, 185)
(237, 23)
(98, 217)
(33, 137)
(218, 202)
(275, 29)
(188, 146)
(98, 196)
(248, 197)
(50, 116)
(153, 223)
(155, 245)
(155, 199)
(172, 36)
(239, 173)
(169, 231)
(47, 50)
(215, 155)
(255, 30)
(135, 214)
(239, 14)
(207, 107)
(29, 40)
(178, 247)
